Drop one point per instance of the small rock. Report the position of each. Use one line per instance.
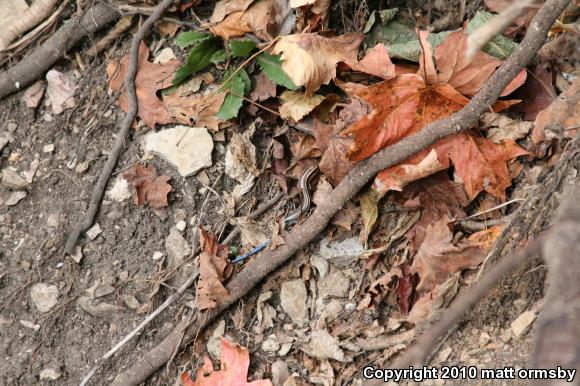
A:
(77, 254)
(286, 347)
(187, 148)
(99, 310)
(271, 344)
(12, 126)
(53, 220)
(484, 339)
(214, 344)
(13, 180)
(293, 300)
(29, 324)
(94, 231)
(48, 148)
(132, 302)
(335, 284)
(280, 373)
(164, 56)
(120, 191)
(180, 226)
(50, 374)
(322, 345)
(157, 255)
(176, 246)
(522, 324)
(341, 253)
(321, 264)
(44, 296)
(15, 197)
(506, 335)
(444, 354)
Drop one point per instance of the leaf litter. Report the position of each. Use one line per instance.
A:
(350, 96)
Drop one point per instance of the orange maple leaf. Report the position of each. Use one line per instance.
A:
(151, 77)
(234, 360)
(147, 186)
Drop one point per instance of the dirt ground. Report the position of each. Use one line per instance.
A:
(125, 281)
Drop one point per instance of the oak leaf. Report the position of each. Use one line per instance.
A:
(234, 363)
(200, 108)
(438, 258)
(151, 78)
(310, 59)
(147, 186)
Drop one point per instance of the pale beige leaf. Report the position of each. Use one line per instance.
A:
(297, 105)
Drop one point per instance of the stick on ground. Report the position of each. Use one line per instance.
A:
(99, 188)
(41, 59)
(300, 236)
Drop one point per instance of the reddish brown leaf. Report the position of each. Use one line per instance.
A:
(406, 289)
(214, 269)
(150, 79)
(481, 164)
(234, 363)
(263, 89)
(536, 94)
(200, 109)
(563, 115)
(334, 147)
(376, 62)
(467, 75)
(400, 107)
(147, 186)
(438, 258)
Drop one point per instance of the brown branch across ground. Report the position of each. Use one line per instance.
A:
(261, 266)
(41, 59)
(99, 188)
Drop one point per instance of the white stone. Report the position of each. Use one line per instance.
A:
(120, 190)
(157, 255)
(164, 56)
(180, 226)
(12, 179)
(44, 296)
(29, 324)
(15, 197)
(522, 324)
(341, 253)
(187, 148)
(50, 374)
(94, 231)
(293, 298)
(271, 344)
(48, 148)
(177, 247)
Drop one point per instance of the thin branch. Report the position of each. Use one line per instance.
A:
(99, 188)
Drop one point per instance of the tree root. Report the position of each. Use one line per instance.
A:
(300, 236)
(40, 60)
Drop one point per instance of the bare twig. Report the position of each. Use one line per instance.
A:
(300, 236)
(99, 188)
(41, 59)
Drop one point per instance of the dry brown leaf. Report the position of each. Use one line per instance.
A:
(263, 89)
(265, 18)
(147, 186)
(376, 62)
(214, 269)
(438, 258)
(34, 94)
(200, 109)
(150, 79)
(334, 147)
(346, 217)
(310, 59)
(563, 115)
(225, 7)
(440, 297)
(297, 105)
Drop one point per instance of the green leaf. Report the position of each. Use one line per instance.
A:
(242, 48)
(500, 46)
(386, 16)
(219, 56)
(199, 58)
(272, 67)
(401, 39)
(190, 38)
(240, 85)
